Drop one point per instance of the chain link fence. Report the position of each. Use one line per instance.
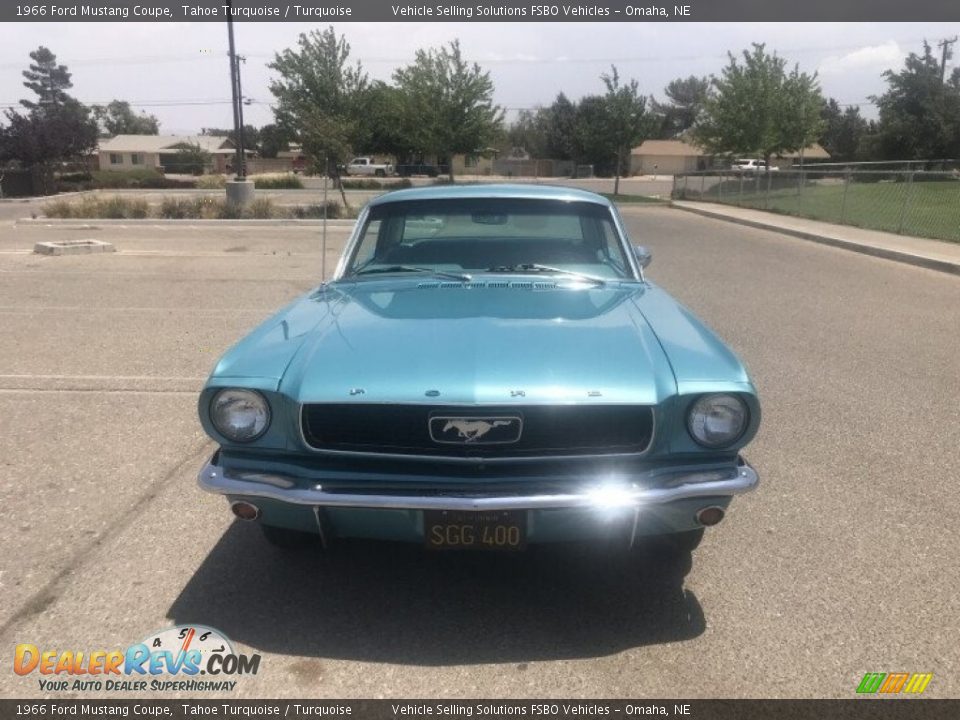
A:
(904, 200)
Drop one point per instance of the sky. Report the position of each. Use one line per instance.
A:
(179, 72)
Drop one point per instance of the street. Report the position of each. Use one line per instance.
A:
(842, 562)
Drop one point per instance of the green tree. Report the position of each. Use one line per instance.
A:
(384, 125)
(272, 141)
(190, 159)
(47, 79)
(56, 127)
(531, 131)
(627, 121)
(843, 131)
(919, 112)
(319, 98)
(547, 132)
(592, 143)
(685, 101)
(117, 118)
(561, 130)
(757, 107)
(451, 102)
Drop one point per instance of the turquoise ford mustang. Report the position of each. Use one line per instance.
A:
(487, 368)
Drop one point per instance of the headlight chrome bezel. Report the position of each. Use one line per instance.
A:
(251, 396)
(697, 411)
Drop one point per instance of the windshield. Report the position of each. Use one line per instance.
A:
(490, 235)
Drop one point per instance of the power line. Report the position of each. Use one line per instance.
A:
(179, 58)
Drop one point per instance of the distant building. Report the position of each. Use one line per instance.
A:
(673, 157)
(812, 153)
(129, 152)
(667, 157)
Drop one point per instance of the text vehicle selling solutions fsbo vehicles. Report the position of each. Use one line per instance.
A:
(487, 368)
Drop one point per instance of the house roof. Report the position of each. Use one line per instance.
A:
(165, 143)
(811, 152)
(677, 148)
(683, 148)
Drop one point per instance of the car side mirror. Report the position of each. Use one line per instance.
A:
(644, 256)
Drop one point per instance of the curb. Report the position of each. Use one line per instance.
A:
(92, 223)
(886, 253)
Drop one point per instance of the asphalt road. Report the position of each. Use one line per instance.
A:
(843, 562)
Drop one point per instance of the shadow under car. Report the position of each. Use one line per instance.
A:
(399, 603)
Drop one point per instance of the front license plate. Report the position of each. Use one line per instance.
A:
(462, 530)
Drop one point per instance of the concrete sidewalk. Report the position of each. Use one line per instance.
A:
(932, 254)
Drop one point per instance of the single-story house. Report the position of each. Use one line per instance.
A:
(813, 152)
(673, 157)
(667, 157)
(129, 152)
(475, 163)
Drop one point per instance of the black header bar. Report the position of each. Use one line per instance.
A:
(893, 708)
(327, 11)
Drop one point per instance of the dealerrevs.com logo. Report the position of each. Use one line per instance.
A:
(184, 658)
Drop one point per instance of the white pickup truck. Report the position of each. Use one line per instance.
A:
(368, 166)
(752, 165)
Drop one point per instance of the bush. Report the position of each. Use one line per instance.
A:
(72, 178)
(276, 181)
(211, 182)
(58, 209)
(262, 209)
(179, 208)
(190, 159)
(315, 211)
(204, 208)
(361, 184)
(145, 178)
(90, 207)
(371, 184)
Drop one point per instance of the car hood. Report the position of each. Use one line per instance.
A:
(526, 342)
(495, 343)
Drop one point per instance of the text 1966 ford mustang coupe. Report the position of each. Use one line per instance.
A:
(488, 368)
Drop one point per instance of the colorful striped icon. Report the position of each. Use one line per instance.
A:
(892, 683)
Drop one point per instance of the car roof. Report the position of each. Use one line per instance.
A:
(498, 191)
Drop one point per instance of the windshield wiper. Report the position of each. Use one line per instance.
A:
(535, 267)
(462, 277)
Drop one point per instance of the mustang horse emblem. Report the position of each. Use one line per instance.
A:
(471, 430)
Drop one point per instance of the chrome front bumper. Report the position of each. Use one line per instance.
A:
(680, 486)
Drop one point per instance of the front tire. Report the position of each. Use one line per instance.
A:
(287, 539)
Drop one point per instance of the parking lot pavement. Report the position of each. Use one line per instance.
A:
(842, 562)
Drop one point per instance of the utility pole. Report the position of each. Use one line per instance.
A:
(239, 133)
(234, 74)
(945, 44)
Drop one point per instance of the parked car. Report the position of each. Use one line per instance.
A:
(752, 165)
(368, 166)
(489, 367)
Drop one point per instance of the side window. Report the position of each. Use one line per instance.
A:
(368, 244)
(115, 159)
(135, 158)
(611, 252)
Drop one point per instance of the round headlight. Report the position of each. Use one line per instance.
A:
(716, 421)
(240, 415)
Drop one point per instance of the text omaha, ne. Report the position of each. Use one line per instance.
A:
(538, 11)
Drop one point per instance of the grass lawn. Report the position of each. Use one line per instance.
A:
(932, 208)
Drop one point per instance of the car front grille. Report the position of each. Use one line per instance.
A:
(547, 430)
